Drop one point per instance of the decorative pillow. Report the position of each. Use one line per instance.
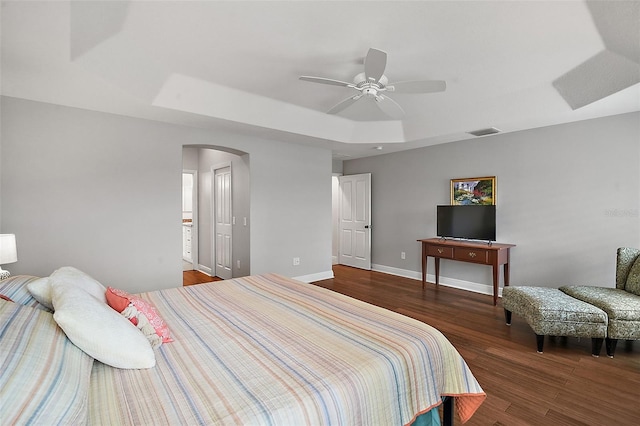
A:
(41, 288)
(98, 330)
(633, 279)
(142, 314)
(45, 378)
(16, 288)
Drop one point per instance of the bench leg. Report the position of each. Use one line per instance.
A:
(507, 316)
(596, 345)
(447, 410)
(540, 342)
(611, 346)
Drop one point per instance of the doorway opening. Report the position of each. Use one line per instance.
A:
(227, 194)
(352, 220)
(189, 219)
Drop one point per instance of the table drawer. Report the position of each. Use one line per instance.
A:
(440, 251)
(471, 255)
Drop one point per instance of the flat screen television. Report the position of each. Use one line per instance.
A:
(467, 222)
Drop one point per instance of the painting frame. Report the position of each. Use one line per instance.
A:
(473, 191)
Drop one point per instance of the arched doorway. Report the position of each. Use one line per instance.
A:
(204, 160)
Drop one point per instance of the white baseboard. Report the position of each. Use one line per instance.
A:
(334, 260)
(447, 282)
(397, 271)
(326, 275)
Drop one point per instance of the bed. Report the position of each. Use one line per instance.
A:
(258, 350)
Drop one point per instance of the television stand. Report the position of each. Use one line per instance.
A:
(481, 253)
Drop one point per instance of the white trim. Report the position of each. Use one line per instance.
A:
(205, 270)
(335, 218)
(396, 271)
(195, 226)
(326, 275)
(447, 282)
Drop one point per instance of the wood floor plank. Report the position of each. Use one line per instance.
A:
(563, 386)
(196, 277)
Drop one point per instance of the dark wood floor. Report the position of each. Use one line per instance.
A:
(196, 277)
(563, 386)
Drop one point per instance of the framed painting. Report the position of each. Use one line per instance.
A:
(470, 191)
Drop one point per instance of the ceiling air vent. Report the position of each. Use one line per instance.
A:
(485, 132)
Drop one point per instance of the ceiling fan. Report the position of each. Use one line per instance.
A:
(372, 83)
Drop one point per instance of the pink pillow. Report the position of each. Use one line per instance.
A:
(120, 300)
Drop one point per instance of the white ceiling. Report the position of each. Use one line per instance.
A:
(508, 64)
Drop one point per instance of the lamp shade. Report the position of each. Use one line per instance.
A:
(8, 252)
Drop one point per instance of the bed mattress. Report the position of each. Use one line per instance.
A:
(269, 350)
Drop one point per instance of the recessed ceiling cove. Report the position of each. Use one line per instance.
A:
(237, 65)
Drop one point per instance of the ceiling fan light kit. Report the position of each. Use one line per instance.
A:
(372, 83)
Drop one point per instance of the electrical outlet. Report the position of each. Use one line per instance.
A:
(238, 263)
(403, 255)
(296, 261)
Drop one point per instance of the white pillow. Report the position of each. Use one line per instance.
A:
(80, 279)
(99, 330)
(41, 289)
(16, 288)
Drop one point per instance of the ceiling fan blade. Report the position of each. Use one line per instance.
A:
(390, 107)
(375, 63)
(417, 86)
(325, 81)
(344, 104)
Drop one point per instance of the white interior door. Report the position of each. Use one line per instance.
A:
(222, 215)
(355, 220)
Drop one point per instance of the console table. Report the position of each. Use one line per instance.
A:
(483, 254)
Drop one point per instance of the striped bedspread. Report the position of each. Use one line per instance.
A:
(268, 350)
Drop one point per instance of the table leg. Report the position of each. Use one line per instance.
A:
(496, 282)
(506, 274)
(437, 262)
(424, 264)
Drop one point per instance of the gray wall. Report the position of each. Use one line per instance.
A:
(567, 196)
(190, 160)
(103, 193)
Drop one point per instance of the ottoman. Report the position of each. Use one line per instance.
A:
(550, 312)
(622, 308)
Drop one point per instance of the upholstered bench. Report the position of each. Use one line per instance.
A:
(550, 312)
(622, 308)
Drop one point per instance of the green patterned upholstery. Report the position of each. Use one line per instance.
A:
(550, 312)
(633, 279)
(624, 261)
(621, 305)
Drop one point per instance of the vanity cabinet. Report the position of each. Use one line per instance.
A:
(186, 242)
